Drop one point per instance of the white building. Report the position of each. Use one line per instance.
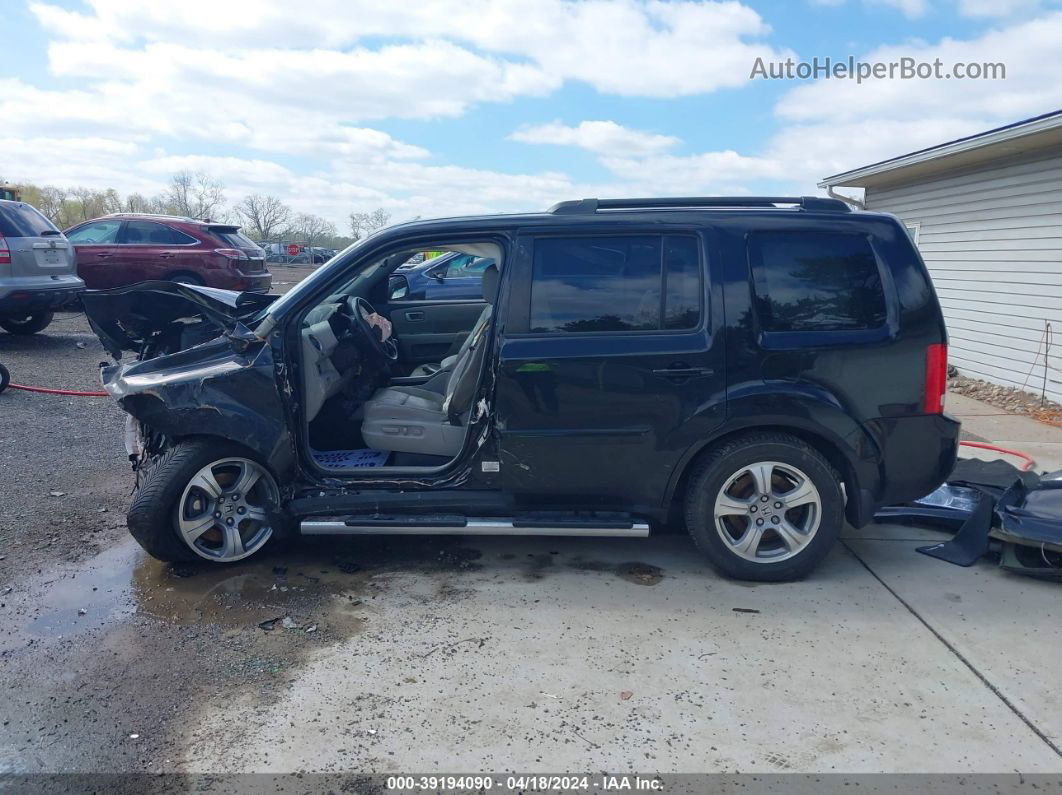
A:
(986, 213)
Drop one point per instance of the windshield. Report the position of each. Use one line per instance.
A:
(319, 276)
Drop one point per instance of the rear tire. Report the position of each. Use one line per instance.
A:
(5, 378)
(29, 324)
(186, 278)
(161, 505)
(766, 507)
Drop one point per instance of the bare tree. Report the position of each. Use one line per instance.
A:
(266, 216)
(86, 203)
(362, 224)
(50, 201)
(138, 203)
(196, 195)
(312, 228)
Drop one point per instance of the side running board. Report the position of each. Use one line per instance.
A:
(459, 525)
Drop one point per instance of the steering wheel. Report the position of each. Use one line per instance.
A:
(370, 336)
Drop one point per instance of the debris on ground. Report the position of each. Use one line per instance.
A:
(993, 500)
(289, 623)
(57, 493)
(269, 624)
(625, 695)
(745, 610)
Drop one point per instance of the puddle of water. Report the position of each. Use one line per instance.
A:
(296, 580)
(304, 581)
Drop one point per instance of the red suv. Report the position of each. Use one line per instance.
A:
(126, 248)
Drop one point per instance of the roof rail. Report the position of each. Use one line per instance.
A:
(590, 206)
(153, 215)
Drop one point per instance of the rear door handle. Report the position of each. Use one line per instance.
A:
(166, 255)
(103, 254)
(414, 316)
(681, 371)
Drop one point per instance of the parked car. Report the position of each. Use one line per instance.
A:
(126, 248)
(453, 276)
(37, 269)
(759, 369)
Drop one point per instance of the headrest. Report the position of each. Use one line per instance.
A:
(490, 284)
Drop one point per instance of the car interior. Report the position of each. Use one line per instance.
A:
(393, 385)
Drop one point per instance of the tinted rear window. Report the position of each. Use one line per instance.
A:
(235, 238)
(594, 284)
(24, 220)
(812, 281)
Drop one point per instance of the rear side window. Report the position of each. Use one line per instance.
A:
(620, 283)
(814, 281)
(24, 220)
(150, 233)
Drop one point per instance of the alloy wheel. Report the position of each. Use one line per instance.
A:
(223, 513)
(768, 512)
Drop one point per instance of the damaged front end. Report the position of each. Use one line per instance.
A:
(203, 367)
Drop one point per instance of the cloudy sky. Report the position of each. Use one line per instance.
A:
(455, 106)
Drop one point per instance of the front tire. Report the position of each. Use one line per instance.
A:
(29, 324)
(766, 507)
(205, 500)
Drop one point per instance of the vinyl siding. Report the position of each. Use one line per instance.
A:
(992, 239)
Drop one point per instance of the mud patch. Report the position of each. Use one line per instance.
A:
(637, 573)
(640, 573)
(537, 567)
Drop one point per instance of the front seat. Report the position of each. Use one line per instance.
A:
(490, 294)
(410, 419)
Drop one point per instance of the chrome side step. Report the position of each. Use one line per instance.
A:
(473, 527)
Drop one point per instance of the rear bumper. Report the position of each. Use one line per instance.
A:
(255, 282)
(917, 454)
(20, 301)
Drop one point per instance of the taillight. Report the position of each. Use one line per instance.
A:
(5, 252)
(231, 253)
(936, 377)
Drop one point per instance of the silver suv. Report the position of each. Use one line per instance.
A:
(38, 270)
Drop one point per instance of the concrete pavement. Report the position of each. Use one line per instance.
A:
(1043, 442)
(538, 655)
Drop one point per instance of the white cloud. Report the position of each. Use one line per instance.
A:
(626, 47)
(831, 126)
(603, 137)
(997, 8)
(912, 9)
(1024, 48)
(305, 80)
(307, 83)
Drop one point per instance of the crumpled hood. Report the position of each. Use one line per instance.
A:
(126, 318)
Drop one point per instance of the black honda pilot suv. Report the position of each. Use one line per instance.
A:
(758, 369)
